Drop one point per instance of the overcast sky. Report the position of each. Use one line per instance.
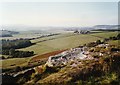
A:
(59, 13)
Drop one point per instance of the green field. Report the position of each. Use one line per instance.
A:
(114, 42)
(105, 34)
(65, 41)
(10, 63)
(58, 42)
(21, 35)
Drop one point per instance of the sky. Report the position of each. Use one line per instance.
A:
(65, 14)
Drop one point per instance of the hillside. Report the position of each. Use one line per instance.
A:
(87, 64)
(71, 58)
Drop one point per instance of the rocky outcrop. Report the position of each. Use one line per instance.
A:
(86, 69)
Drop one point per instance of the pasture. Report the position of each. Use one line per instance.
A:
(65, 41)
(13, 62)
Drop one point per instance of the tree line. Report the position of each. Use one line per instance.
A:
(15, 44)
(17, 54)
(113, 38)
(92, 44)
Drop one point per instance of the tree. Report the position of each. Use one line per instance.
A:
(11, 51)
(2, 57)
(105, 40)
(76, 31)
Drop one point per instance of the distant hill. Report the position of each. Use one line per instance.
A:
(6, 33)
(51, 29)
(106, 26)
(96, 27)
(77, 28)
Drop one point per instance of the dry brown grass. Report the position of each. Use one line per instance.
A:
(46, 55)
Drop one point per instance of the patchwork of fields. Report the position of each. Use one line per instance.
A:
(65, 41)
(55, 43)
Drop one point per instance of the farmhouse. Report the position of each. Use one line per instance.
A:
(81, 32)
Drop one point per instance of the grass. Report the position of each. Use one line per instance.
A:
(46, 38)
(114, 42)
(105, 34)
(108, 79)
(10, 63)
(65, 41)
(59, 43)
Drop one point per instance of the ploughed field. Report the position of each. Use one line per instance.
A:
(43, 56)
(54, 44)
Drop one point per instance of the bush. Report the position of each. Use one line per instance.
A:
(2, 57)
(118, 36)
(98, 42)
(92, 44)
(17, 69)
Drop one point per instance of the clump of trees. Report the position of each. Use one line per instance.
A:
(17, 54)
(92, 44)
(9, 46)
(16, 44)
(113, 38)
(82, 32)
